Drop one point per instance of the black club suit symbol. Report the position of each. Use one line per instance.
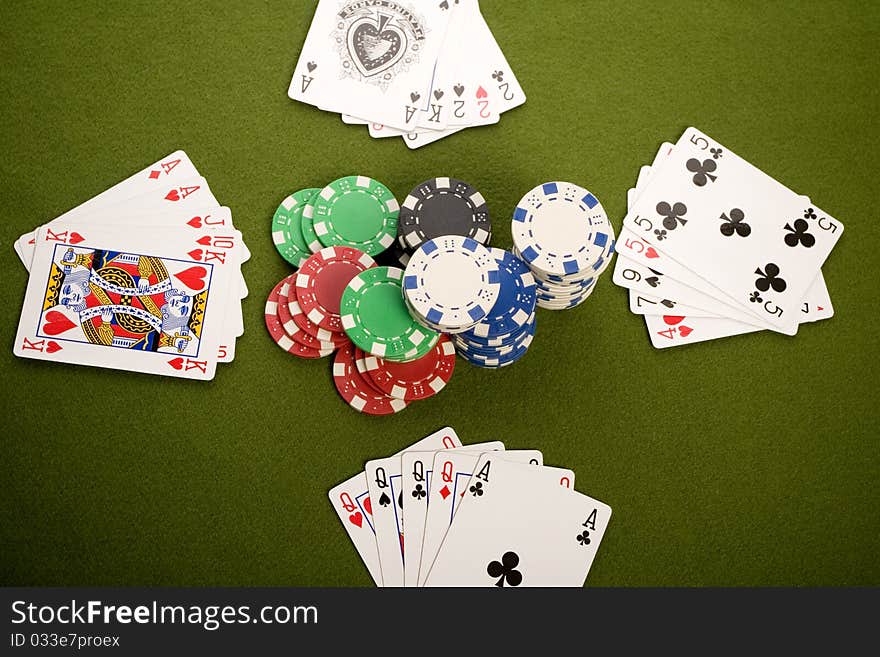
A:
(809, 213)
(798, 234)
(583, 538)
(498, 76)
(660, 233)
(755, 297)
(672, 214)
(735, 224)
(702, 170)
(769, 278)
(477, 489)
(505, 570)
(716, 153)
(419, 492)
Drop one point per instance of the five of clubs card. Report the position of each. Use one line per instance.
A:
(440, 513)
(420, 71)
(712, 247)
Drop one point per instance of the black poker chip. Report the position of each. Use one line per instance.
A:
(443, 206)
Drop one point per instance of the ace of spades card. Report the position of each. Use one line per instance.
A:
(372, 59)
(524, 529)
(140, 299)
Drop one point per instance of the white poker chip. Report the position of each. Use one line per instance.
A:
(561, 229)
(451, 282)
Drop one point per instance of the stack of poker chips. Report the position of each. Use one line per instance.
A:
(503, 336)
(339, 301)
(395, 331)
(484, 297)
(562, 232)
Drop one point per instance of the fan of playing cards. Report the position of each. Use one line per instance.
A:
(712, 246)
(421, 70)
(443, 514)
(146, 277)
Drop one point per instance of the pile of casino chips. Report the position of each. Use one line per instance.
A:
(339, 301)
(396, 330)
(562, 232)
(483, 297)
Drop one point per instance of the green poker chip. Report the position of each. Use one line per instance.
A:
(286, 227)
(356, 211)
(376, 319)
(307, 227)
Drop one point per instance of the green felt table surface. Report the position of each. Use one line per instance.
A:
(746, 461)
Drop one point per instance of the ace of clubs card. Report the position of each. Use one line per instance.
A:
(523, 530)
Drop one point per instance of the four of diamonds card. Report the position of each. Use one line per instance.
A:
(145, 276)
(712, 246)
(440, 513)
(417, 69)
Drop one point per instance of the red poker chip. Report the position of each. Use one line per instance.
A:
(360, 360)
(295, 311)
(416, 379)
(278, 334)
(323, 277)
(356, 392)
(290, 326)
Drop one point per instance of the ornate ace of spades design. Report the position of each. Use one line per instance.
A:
(375, 43)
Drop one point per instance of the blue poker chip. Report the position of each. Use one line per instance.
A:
(501, 348)
(495, 362)
(516, 299)
(451, 283)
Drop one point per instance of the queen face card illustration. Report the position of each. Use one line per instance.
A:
(372, 58)
(134, 299)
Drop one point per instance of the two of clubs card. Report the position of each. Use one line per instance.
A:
(420, 70)
(440, 513)
(712, 246)
(145, 276)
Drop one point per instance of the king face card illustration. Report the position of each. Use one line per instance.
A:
(139, 300)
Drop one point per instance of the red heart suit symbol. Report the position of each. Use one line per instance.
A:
(356, 518)
(672, 320)
(685, 331)
(176, 363)
(193, 278)
(52, 347)
(173, 195)
(651, 253)
(195, 222)
(204, 241)
(368, 505)
(195, 254)
(75, 238)
(56, 323)
(481, 93)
